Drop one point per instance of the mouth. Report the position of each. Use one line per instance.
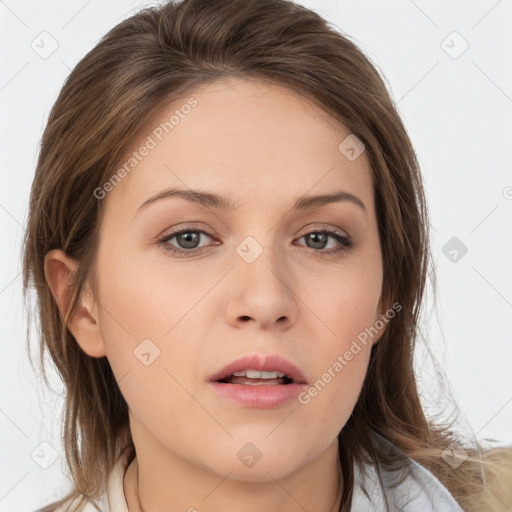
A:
(256, 369)
(257, 381)
(257, 378)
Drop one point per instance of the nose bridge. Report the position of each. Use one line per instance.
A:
(258, 228)
(261, 291)
(259, 256)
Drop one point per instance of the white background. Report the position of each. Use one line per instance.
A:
(458, 112)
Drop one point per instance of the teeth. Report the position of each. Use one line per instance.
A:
(255, 374)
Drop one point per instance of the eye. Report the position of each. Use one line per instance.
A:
(318, 239)
(188, 241)
(187, 237)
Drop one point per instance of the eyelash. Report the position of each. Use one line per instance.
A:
(345, 241)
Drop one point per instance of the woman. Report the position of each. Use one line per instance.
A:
(229, 239)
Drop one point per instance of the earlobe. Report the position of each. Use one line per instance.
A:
(83, 323)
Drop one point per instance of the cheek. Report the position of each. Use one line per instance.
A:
(346, 302)
(334, 394)
(347, 305)
(328, 402)
(142, 299)
(147, 313)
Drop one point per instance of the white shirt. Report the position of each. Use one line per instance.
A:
(420, 491)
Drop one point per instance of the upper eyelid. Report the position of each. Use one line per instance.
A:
(213, 233)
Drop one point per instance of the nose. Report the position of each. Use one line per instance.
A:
(260, 291)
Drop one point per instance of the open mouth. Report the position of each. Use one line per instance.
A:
(257, 378)
(259, 381)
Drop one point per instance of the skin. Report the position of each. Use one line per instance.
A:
(263, 146)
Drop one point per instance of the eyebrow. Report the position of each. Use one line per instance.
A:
(224, 203)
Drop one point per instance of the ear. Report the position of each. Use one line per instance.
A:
(83, 323)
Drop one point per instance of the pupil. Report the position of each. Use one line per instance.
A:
(316, 236)
(186, 237)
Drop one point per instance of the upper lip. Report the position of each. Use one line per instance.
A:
(263, 363)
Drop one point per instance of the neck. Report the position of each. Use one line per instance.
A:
(311, 499)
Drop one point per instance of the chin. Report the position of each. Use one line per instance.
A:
(263, 461)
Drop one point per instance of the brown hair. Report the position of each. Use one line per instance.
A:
(145, 62)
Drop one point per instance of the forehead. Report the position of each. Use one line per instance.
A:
(244, 139)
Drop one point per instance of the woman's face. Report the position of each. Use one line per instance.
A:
(251, 279)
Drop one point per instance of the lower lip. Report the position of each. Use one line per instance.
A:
(261, 396)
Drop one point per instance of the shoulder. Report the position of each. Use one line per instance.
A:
(413, 489)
